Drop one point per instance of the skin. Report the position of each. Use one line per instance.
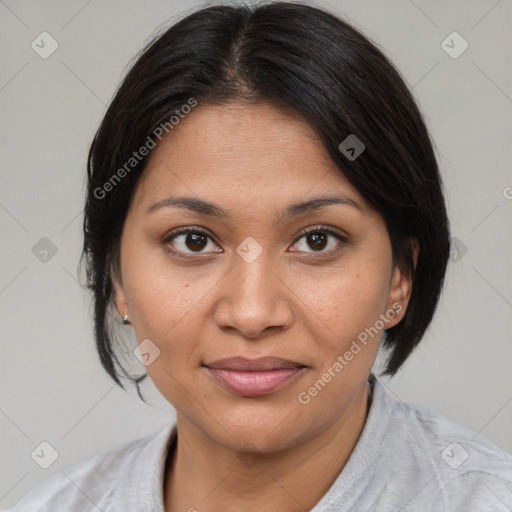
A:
(297, 300)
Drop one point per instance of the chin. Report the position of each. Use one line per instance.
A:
(266, 428)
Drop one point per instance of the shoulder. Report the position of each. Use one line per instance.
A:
(459, 467)
(89, 485)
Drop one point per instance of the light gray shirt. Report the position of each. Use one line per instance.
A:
(407, 459)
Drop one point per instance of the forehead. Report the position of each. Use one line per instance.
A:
(241, 152)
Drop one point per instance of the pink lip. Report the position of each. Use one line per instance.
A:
(254, 377)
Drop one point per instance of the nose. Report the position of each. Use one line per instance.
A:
(253, 299)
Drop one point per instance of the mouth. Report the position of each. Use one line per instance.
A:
(254, 377)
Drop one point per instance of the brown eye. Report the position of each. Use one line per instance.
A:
(196, 241)
(188, 241)
(318, 239)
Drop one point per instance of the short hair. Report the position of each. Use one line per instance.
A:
(296, 57)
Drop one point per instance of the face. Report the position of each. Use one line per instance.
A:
(251, 275)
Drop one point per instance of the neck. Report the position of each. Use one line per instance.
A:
(206, 476)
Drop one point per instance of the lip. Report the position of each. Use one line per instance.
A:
(254, 377)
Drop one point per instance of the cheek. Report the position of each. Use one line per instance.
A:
(166, 302)
(346, 301)
(168, 307)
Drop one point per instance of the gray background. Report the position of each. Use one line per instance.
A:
(52, 385)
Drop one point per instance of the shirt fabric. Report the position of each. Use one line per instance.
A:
(407, 459)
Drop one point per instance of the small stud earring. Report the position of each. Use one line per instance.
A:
(125, 319)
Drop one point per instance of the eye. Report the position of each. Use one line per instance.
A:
(190, 241)
(318, 239)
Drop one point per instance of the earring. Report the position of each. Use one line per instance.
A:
(125, 319)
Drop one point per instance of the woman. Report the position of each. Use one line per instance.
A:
(265, 210)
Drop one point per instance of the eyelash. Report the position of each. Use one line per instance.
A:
(306, 231)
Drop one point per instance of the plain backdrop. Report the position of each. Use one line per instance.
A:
(53, 388)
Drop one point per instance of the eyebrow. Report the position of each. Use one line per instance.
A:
(206, 208)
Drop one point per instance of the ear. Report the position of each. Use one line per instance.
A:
(401, 287)
(119, 295)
